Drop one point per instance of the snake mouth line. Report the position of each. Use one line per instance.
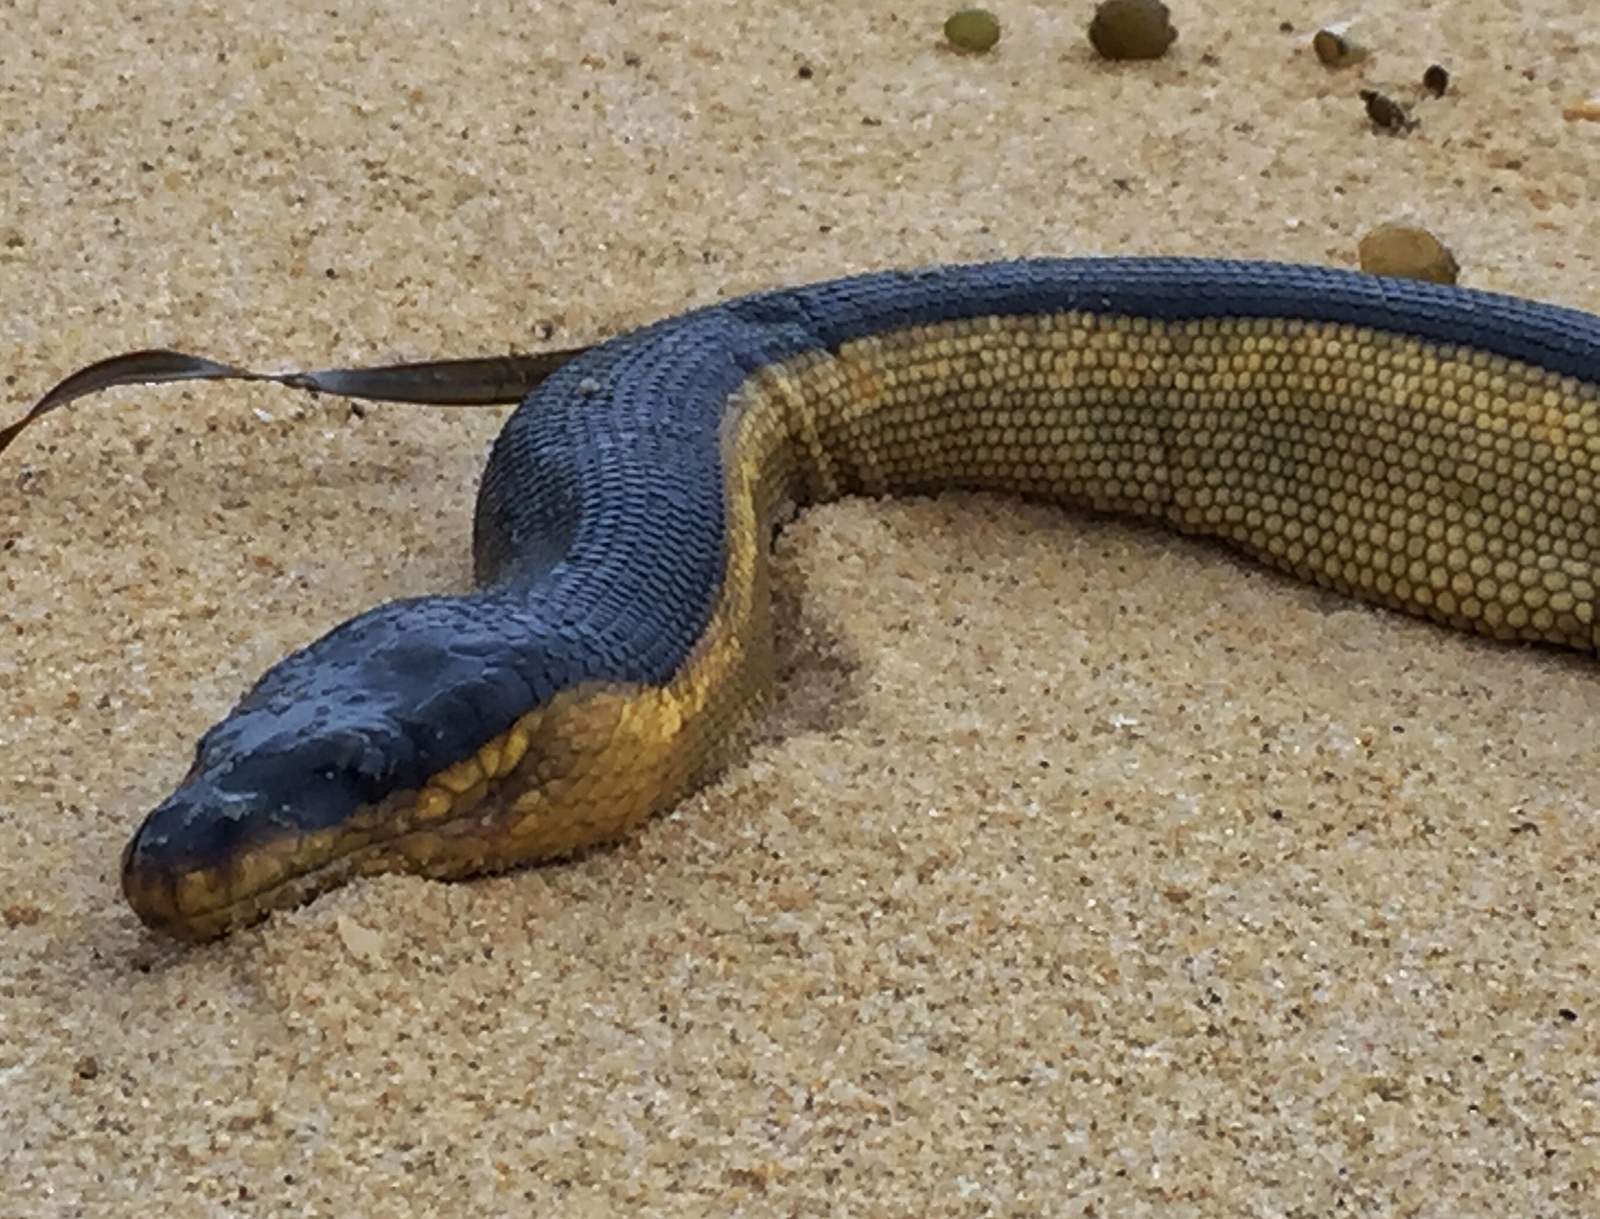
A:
(174, 903)
(154, 900)
(203, 903)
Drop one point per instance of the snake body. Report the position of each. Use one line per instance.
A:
(1432, 449)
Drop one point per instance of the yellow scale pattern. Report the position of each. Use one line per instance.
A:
(1443, 481)
(1446, 482)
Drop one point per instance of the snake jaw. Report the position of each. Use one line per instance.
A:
(204, 903)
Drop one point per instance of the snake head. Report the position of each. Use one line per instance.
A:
(427, 737)
(345, 758)
(264, 817)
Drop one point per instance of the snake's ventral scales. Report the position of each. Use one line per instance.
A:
(1427, 448)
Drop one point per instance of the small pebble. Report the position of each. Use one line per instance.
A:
(1386, 113)
(1407, 252)
(972, 29)
(1582, 109)
(1436, 79)
(21, 914)
(1132, 29)
(1337, 46)
(360, 940)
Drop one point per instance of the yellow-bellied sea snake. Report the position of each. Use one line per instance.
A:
(1432, 449)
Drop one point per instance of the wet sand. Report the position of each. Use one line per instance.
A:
(1080, 870)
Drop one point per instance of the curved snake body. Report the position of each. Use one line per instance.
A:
(1432, 449)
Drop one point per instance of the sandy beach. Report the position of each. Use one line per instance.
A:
(1080, 870)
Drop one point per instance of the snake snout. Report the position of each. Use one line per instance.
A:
(176, 867)
(213, 854)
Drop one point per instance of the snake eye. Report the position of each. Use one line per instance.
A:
(360, 761)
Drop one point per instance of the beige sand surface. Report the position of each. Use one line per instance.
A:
(1082, 871)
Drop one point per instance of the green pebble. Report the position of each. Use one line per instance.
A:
(973, 29)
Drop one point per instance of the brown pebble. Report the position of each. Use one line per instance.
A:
(1132, 29)
(1407, 252)
(1337, 46)
(1386, 113)
(1583, 109)
(21, 914)
(86, 1067)
(1436, 79)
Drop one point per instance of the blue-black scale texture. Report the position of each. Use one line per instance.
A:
(631, 429)
(599, 531)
